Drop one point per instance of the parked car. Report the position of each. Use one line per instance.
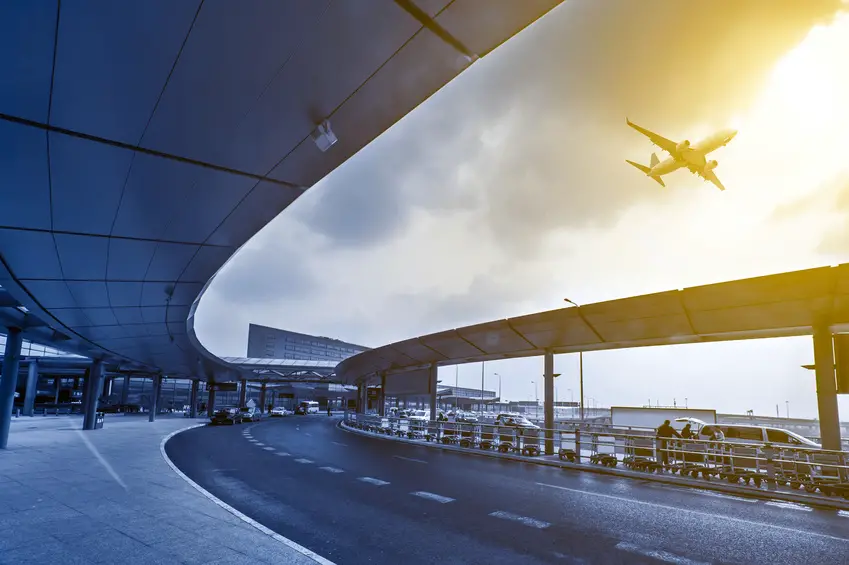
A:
(227, 415)
(515, 422)
(279, 412)
(742, 433)
(250, 414)
(466, 418)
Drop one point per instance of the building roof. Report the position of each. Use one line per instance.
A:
(786, 304)
(143, 146)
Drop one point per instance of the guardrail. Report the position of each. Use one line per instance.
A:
(770, 466)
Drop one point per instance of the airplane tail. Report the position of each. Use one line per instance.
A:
(654, 160)
(647, 170)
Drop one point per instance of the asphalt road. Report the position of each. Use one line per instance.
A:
(356, 499)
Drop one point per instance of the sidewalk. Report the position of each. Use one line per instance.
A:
(59, 503)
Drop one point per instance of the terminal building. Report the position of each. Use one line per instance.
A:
(283, 344)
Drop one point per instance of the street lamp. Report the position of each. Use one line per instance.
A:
(580, 364)
(499, 386)
(536, 396)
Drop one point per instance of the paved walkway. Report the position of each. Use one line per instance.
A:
(108, 496)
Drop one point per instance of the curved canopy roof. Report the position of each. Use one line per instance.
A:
(786, 304)
(143, 142)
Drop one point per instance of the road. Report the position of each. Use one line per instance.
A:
(356, 499)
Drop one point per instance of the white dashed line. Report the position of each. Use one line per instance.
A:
(304, 461)
(532, 522)
(259, 444)
(339, 444)
(409, 459)
(719, 495)
(656, 554)
(843, 513)
(307, 434)
(282, 454)
(267, 448)
(790, 505)
(331, 469)
(253, 440)
(372, 481)
(697, 513)
(431, 496)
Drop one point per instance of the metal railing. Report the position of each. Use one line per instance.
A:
(757, 465)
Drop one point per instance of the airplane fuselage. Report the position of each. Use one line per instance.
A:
(693, 155)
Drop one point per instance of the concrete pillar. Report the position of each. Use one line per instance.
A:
(243, 393)
(93, 388)
(107, 386)
(125, 390)
(262, 406)
(548, 402)
(381, 406)
(210, 401)
(57, 386)
(193, 399)
(826, 387)
(8, 382)
(359, 408)
(32, 388)
(154, 398)
(432, 377)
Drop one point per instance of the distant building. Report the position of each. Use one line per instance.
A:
(283, 344)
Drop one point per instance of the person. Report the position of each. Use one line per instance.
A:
(328, 409)
(664, 433)
(687, 432)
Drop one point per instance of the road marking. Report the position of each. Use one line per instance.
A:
(304, 461)
(307, 434)
(372, 481)
(339, 444)
(431, 496)
(258, 443)
(843, 513)
(790, 505)
(696, 512)
(409, 459)
(331, 469)
(656, 554)
(282, 454)
(267, 448)
(718, 495)
(521, 519)
(247, 519)
(253, 440)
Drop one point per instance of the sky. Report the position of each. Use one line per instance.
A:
(507, 191)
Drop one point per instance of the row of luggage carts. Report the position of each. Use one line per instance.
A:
(755, 465)
(750, 464)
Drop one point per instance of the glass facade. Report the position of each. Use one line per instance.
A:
(282, 344)
(36, 350)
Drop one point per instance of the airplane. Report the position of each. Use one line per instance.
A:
(682, 154)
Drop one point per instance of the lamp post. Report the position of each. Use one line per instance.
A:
(536, 396)
(480, 406)
(499, 386)
(580, 364)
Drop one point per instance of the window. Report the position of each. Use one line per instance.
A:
(745, 434)
(777, 436)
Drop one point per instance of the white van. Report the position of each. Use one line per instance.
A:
(307, 407)
(741, 433)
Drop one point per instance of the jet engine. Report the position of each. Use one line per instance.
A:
(683, 146)
(709, 166)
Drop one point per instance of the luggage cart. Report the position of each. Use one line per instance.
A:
(488, 437)
(529, 441)
(449, 433)
(693, 458)
(507, 439)
(827, 474)
(639, 454)
(742, 463)
(468, 435)
(417, 430)
(568, 446)
(603, 450)
(432, 433)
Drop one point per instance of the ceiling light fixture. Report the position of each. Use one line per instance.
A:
(323, 136)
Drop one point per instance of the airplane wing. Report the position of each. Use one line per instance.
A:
(666, 144)
(710, 176)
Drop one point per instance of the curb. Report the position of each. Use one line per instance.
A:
(821, 502)
(247, 519)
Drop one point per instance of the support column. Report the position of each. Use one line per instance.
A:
(107, 386)
(548, 402)
(93, 387)
(57, 386)
(243, 393)
(8, 382)
(154, 398)
(210, 401)
(381, 407)
(32, 388)
(193, 399)
(125, 390)
(359, 408)
(431, 387)
(826, 387)
(262, 405)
